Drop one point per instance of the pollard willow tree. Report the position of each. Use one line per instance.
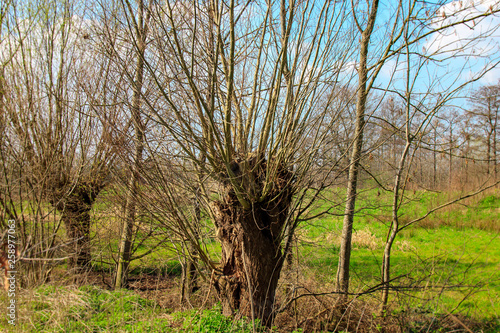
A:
(240, 83)
(58, 148)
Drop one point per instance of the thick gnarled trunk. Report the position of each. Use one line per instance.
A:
(251, 260)
(75, 213)
(78, 233)
(252, 256)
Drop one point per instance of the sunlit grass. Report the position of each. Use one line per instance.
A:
(451, 260)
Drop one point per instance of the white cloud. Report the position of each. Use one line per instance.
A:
(489, 78)
(390, 68)
(492, 77)
(477, 36)
(349, 68)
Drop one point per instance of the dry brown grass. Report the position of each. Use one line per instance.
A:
(365, 239)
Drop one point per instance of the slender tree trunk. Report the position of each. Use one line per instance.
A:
(494, 144)
(434, 160)
(386, 262)
(450, 162)
(494, 147)
(466, 168)
(193, 261)
(386, 265)
(345, 247)
(488, 153)
(190, 270)
(125, 249)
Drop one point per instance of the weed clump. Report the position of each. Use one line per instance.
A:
(213, 321)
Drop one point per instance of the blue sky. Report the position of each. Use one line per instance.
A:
(460, 52)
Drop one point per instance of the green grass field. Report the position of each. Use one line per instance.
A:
(447, 263)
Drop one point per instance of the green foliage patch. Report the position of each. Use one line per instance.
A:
(213, 321)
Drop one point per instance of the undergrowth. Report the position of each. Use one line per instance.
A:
(88, 309)
(453, 254)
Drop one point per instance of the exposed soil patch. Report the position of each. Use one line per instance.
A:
(163, 290)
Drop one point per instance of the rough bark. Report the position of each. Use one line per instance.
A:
(252, 256)
(78, 231)
(75, 209)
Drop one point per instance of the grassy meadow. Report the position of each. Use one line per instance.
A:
(445, 269)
